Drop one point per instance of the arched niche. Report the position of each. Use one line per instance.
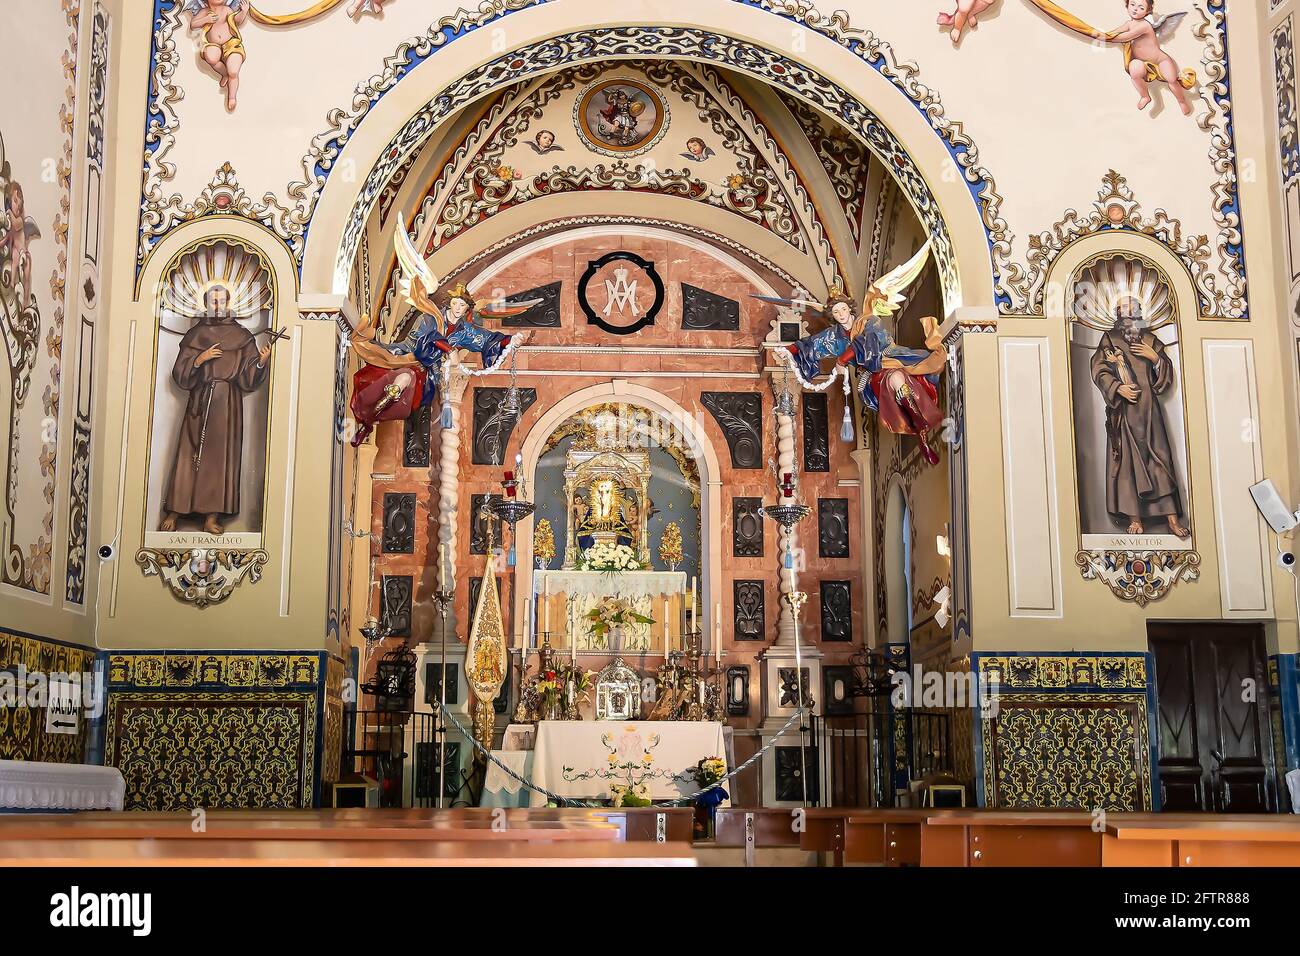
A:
(746, 39)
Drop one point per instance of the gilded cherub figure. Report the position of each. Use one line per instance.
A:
(223, 45)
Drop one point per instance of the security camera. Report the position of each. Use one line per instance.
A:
(1275, 511)
(1286, 561)
(106, 552)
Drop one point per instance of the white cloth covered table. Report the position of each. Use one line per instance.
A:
(499, 788)
(580, 759)
(27, 785)
(577, 592)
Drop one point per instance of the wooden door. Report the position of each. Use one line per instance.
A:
(1216, 754)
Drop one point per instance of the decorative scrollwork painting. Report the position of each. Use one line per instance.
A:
(202, 577)
(1139, 576)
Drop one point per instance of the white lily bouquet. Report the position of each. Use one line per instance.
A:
(612, 558)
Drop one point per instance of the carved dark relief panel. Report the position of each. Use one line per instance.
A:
(746, 527)
(433, 682)
(790, 770)
(704, 311)
(790, 331)
(502, 699)
(738, 691)
(833, 527)
(816, 433)
(740, 416)
(395, 608)
(426, 771)
(399, 523)
(415, 438)
(837, 690)
(544, 315)
(837, 611)
(478, 529)
(492, 425)
(475, 586)
(789, 679)
(750, 616)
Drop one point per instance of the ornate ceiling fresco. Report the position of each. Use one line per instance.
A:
(1008, 219)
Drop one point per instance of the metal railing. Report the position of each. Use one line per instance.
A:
(865, 759)
(401, 751)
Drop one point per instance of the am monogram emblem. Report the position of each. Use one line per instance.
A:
(621, 293)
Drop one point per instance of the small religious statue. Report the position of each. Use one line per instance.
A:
(1131, 370)
(219, 362)
(381, 392)
(223, 45)
(899, 384)
(606, 516)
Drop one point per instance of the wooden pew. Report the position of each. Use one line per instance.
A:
(886, 837)
(755, 829)
(653, 824)
(336, 853)
(1220, 841)
(978, 838)
(426, 826)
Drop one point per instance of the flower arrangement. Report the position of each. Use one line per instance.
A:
(611, 558)
(670, 546)
(613, 612)
(710, 770)
(544, 542)
(550, 690)
(630, 796)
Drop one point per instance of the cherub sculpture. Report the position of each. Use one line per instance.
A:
(19, 230)
(966, 15)
(1142, 38)
(398, 378)
(223, 45)
(899, 384)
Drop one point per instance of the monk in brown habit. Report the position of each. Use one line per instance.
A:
(1131, 370)
(219, 362)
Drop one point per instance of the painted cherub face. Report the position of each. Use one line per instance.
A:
(842, 313)
(1137, 9)
(545, 139)
(696, 146)
(14, 201)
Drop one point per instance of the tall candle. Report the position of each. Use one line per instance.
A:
(717, 633)
(693, 611)
(667, 630)
(573, 635)
(546, 607)
(442, 567)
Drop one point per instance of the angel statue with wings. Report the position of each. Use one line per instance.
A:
(1142, 38)
(397, 378)
(899, 384)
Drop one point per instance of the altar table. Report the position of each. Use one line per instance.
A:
(561, 591)
(579, 759)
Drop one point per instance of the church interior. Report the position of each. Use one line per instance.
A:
(740, 433)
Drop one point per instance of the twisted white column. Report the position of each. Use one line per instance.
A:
(788, 541)
(449, 484)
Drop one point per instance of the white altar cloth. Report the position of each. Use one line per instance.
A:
(579, 759)
(28, 785)
(577, 592)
